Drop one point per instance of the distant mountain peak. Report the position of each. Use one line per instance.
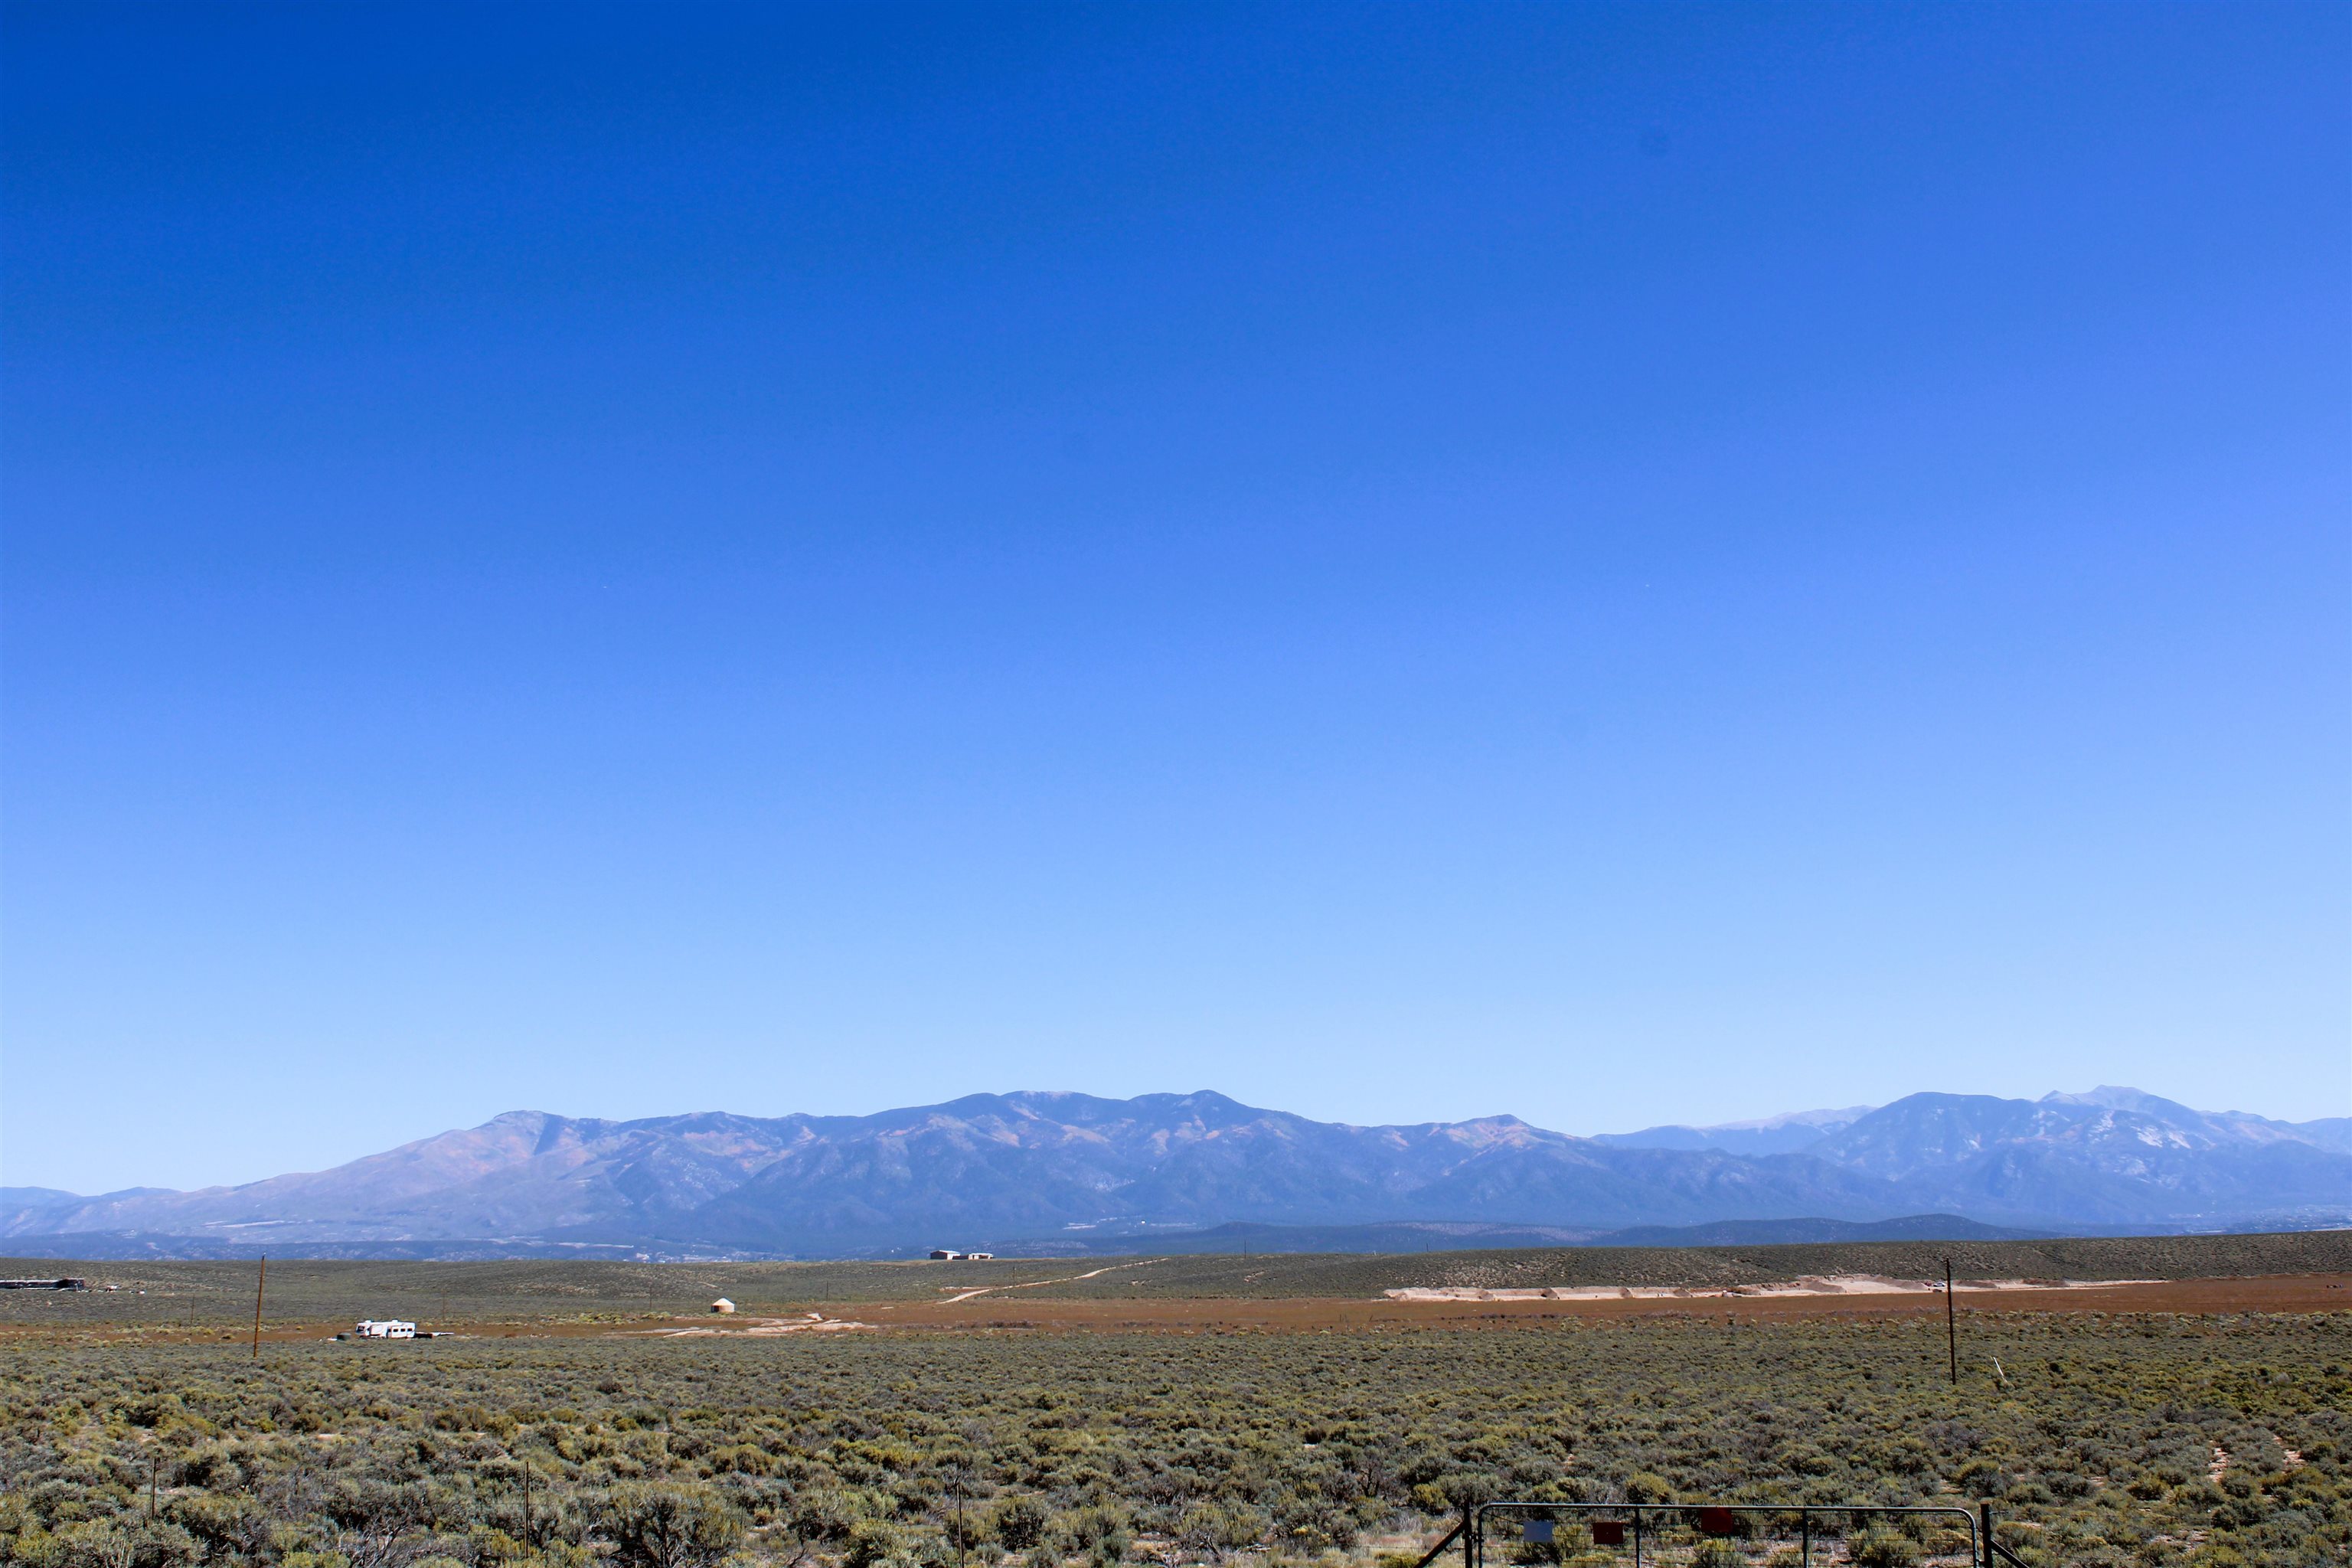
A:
(2114, 1097)
(1790, 1132)
(1836, 1118)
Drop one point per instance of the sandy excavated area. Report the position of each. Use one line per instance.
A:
(758, 1327)
(1805, 1285)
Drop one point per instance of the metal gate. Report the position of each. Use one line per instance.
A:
(1509, 1534)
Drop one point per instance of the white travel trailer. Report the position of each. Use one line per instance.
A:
(385, 1328)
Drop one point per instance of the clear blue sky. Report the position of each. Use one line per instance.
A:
(1397, 562)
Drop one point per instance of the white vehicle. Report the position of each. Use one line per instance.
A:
(385, 1328)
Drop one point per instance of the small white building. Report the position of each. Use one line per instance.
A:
(945, 1255)
(384, 1329)
(722, 1305)
(978, 1257)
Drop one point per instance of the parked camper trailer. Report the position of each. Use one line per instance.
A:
(384, 1329)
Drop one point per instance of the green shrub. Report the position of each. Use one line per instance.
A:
(1020, 1522)
(1982, 1477)
(1879, 1547)
(654, 1526)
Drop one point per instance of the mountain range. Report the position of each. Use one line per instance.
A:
(1043, 1172)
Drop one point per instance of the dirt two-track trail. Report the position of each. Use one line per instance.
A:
(973, 1295)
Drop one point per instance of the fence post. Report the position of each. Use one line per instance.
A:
(1469, 1535)
(1984, 1525)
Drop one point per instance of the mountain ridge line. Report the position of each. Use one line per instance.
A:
(1076, 1171)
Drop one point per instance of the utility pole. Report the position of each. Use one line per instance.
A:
(1951, 1326)
(259, 1284)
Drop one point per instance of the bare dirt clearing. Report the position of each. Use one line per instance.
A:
(1805, 1285)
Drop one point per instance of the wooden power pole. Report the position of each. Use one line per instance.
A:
(259, 1284)
(1951, 1327)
